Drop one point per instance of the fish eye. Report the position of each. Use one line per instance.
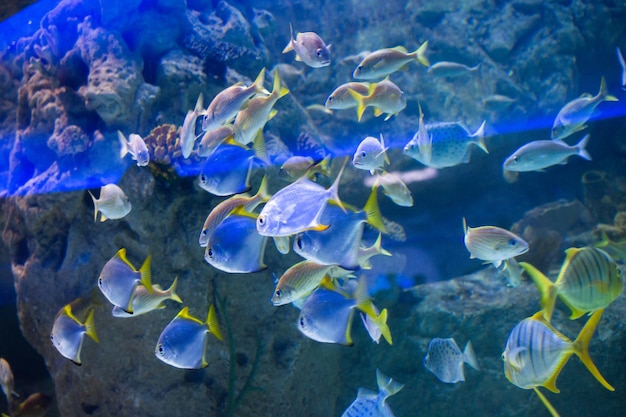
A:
(363, 154)
(278, 293)
(160, 349)
(331, 98)
(209, 252)
(319, 53)
(202, 178)
(299, 242)
(512, 242)
(504, 356)
(52, 337)
(261, 220)
(99, 281)
(515, 158)
(301, 321)
(204, 232)
(359, 68)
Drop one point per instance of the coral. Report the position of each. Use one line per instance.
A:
(68, 139)
(162, 142)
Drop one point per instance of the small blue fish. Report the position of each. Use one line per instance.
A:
(136, 147)
(119, 279)
(113, 203)
(371, 404)
(445, 360)
(183, 342)
(227, 170)
(540, 154)
(68, 333)
(370, 155)
(236, 246)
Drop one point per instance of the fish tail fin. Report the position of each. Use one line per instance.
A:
(546, 403)
(259, 148)
(262, 194)
(372, 210)
(582, 152)
(384, 151)
(604, 94)
(124, 143)
(334, 189)
(278, 87)
(387, 385)
(480, 137)
(360, 103)
(323, 167)
(289, 46)
(95, 206)
(379, 248)
(581, 347)
(146, 274)
(380, 321)
(172, 292)
(546, 289)
(90, 326)
(258, 83)
(420, 55)
(364, 303)
(212, 323)
(469, 356)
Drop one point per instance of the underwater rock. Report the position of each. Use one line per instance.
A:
(181, 79)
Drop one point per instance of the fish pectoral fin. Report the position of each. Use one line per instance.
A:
(298, 58)
(319, 227)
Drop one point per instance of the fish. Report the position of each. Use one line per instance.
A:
(423, 139)
(326, 315)
(227, 170)
(493, 244)
(68, 333)
(36, 405)
(365, 253)
(301, 279)
(622, 64)
(497, 102)
(252, 119)
(395, 189)
(449, 144)
(341, 99)
(236, 247)
(309, 48)
(182, 343)
(512, 272)
(541, 154)
(297, 207)
(113, 203)
(371, 404)
(445, 359)
(136, 147)
(297, 166)
(313, 109)
(450, 69)
(384, 96)
(7, 382)
(383, 62)
(370, 154)
(340, 244)
(188, 130)
(145, 301)
(355, 58)
(227, 207)
(225, 105)
(289, 73)
(588, 280)
(212, 139)
(371, 328)
(119, 279)
(573, 116)
(535, 353)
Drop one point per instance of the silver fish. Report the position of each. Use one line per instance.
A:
(212, 139)
(341, 99)
(370, 154)
(188, 130)
(493, 244)
(309, 48)
(68, 333)
(371, 404)
(395, 189)
(383, 62)
(540, 154)
(113, 203)
(450, 69)
(300, 280)
(7, 382)
(445, 360)
(183, 341)
(225, 105)
(297, 166)
(497, 102)
(384, 96)
(136, 147)
(573, 116)
(119, 279)
(145, 301)
(622, 64)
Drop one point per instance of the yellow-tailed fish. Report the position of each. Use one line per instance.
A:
(251, 120)
(573, 116)
(395, 189)
(188, 130)
(225, 105)
(341, 99)
(301, 279)
(68, 333)
(373, 404)
(136, 147)
(145, 301)
(183, 341)
(113, 203)
(7, 382)
(492, 244)
(535, 353)
(383, 62)
(226, 208)
(617, 250)
(296, 166)
(541, 154)
(235, 245)
(297, 207)
(212, 139)
(384, 96)
(119, 279)
(448, 144)
(589, 280)
(445, 359)
(370, 154)
(227, 170)
(309, 48)
(450, 69)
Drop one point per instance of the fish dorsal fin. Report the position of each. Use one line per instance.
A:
(466, 228)
(400, 49)
(121, 255)
(546, 288)
(184, 314)
(335, 187)
(581, 347)
(95, 206)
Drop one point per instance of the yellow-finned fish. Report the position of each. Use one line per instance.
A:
(301, 279)
(145, 301)
(493, 244)
(113, 203)
(395, 189)
(310, 49)
(68, 333)
(589, 280)
(383, 62)
(296, 166)
(341, 99)
(214, 138)
(535, 353)
(384, 96)
(188, 130)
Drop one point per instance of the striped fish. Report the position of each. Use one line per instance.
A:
(300, 280)
(536, 352)
(589, 280)
(371, 404)
(493, 244)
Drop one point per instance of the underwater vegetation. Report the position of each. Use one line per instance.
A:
(198, 198)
